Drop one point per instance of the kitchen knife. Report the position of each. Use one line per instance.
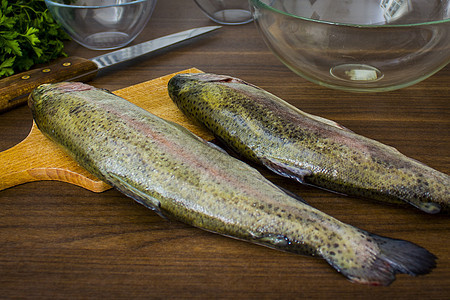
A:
(15, 88)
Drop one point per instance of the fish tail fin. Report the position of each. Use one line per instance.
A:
(394, 257)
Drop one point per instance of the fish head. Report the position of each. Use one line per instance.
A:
(44, 91)
(182, 86)
(36, 96)
(183, 83)
(46, 98)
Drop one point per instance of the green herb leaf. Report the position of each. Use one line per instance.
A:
(6, 67)
(28, 36)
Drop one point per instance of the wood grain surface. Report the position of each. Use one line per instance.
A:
(64, 242)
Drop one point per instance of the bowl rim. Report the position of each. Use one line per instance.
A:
(259, 3)
(51, 2)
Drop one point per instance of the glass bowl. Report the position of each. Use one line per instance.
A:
(102, 25)
(226, 12)
(360, 46)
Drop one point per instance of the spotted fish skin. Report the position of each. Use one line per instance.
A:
(168, 169)
(265, 129)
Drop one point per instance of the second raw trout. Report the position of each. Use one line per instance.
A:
(168, 169)
(313, 150)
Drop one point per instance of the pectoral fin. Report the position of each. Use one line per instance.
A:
(273, 240)
(428, 207)
(289, 171)
(130, 191)
(285, 170)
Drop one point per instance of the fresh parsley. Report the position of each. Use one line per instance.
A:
(28, 36)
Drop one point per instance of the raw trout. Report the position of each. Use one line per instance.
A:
(265, 129)
(168, 169)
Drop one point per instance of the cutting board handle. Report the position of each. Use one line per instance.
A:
(24, 163)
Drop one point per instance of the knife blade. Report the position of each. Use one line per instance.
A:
(14, 89)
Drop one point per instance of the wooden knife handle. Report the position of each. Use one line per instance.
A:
(15, 89)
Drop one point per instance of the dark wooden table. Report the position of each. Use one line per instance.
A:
(61, 241)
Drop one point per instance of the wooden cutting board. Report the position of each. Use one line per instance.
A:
(37, 158)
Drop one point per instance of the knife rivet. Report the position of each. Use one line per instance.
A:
(25, 77)
(46, 70)
(66, 64)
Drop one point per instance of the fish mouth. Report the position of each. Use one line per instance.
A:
(31, 100)
(36, 95)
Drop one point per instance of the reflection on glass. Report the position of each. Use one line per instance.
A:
(395, 9)
(366, 12)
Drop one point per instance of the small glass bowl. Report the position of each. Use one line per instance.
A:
(226, 12)
(111, 25)
(360, 46)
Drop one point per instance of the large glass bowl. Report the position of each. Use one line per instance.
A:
(359, 45)
(102, 25)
